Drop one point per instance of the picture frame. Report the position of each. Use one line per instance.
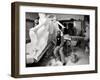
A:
(19, 23)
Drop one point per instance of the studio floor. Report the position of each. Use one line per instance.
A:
(83, 59)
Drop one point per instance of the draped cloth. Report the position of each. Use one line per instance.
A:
(40, 40)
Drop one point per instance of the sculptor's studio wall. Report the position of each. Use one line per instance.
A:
(68, 17)
(30, 17)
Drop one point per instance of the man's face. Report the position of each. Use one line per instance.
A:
(58, 32)
(36, 21)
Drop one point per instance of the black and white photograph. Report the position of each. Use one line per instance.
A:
(54, 39)
(51, 39)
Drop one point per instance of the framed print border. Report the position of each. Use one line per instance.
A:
(15, 31)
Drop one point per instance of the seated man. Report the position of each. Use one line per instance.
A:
(57, 50)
